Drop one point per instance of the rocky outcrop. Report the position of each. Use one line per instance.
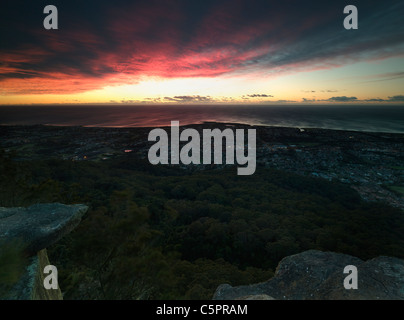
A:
(35, 228)
(40, 225)
(316, 275)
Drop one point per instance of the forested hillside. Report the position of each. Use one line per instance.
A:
(158, 232)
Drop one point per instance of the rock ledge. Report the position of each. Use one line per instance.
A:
(40, 225)
(317, 275)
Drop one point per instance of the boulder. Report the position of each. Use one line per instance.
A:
(381, 278)
(317, 275)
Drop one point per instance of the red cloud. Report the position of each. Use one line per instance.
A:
(162, 40)
(146, 41)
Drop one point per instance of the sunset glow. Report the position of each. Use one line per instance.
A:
(259, 52)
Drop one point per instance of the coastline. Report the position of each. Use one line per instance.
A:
(370, 162)
(361, 118)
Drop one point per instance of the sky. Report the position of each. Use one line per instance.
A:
(192, 51)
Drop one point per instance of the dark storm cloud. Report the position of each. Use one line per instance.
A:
(374, 100)
(262, 95)
(284, 101)
(122, 40)
(343, 99)
(189, 99)
(326, 44)
(399, 98)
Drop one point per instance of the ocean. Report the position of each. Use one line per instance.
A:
(385, 118)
